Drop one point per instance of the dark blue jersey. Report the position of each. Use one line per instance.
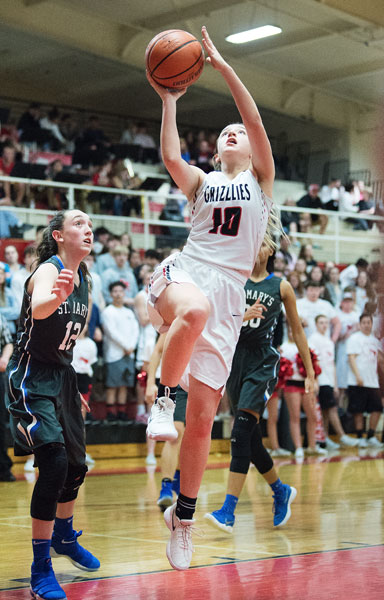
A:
(51, 340)
(260, 331)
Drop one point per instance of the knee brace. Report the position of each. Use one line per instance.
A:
(52, 462)
(241, 436)
(75, 477)
(259, 455)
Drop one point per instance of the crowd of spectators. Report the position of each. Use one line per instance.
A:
(55, 146)
(120, 274)
(354, 197)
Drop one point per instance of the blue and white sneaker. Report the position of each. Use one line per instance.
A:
(166, 495)
(282, 504)
(71, 549)
(44, 585)
(221, 519)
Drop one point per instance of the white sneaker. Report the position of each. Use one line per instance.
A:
(160, 423)
(373, 442)
(151, 459)
(331, 445)
(316, 451)
(179, 546)
(362, 443)
(349, 441)
(280, 452)
(299, 455)
(29, 465)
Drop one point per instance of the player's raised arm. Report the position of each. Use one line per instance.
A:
(262, 159)
(187, 177)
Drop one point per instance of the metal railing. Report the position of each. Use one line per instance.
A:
(147, 222)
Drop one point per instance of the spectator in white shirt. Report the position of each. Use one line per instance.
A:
(349, 275)
(121, 334)
(328, 390)
(120, 271)
(331, 194)
(364, 291)
(364, 352)
(22, 274)
(349, 319)
(11, 257)
(312, 305)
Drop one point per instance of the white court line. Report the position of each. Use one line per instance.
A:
(150, 541)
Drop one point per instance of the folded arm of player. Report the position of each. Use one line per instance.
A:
(49, 289)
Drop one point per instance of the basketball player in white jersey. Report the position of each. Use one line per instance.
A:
(198, 294)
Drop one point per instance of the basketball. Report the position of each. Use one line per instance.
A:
(174, 59)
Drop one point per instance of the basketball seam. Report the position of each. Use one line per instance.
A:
(181, 72)
(160, 38)
(170, 54)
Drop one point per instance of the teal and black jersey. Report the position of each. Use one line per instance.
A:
(51, 340)
(260, 331)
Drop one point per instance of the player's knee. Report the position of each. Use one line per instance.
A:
(259, 455)
(52, 462)
(241, 441)
(75, 477)
(197, 316)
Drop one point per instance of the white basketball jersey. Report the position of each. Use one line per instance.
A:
(229, 219)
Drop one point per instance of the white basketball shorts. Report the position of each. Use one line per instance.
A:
(212, 355)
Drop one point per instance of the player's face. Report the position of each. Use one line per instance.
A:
(234, 139)
(77, 232)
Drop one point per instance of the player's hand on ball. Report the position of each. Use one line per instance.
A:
(64, 284)
(214, 57)
(165, 92)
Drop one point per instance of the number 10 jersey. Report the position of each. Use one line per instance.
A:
(51, 340)
(229, 219)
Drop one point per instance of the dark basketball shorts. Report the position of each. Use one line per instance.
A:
(253, 377)
(120, 373)
(326, 397)
(45, 408)
(83, 382)
(364, 399)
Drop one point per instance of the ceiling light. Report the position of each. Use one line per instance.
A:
(253, 34)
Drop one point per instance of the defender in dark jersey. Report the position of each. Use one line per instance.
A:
(252, 380)
(43, 398)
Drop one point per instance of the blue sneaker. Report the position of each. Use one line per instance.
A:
(221, 519)
(176, 483)
(282, 504)
(166, 495)
(44, 584)
(71, 549)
